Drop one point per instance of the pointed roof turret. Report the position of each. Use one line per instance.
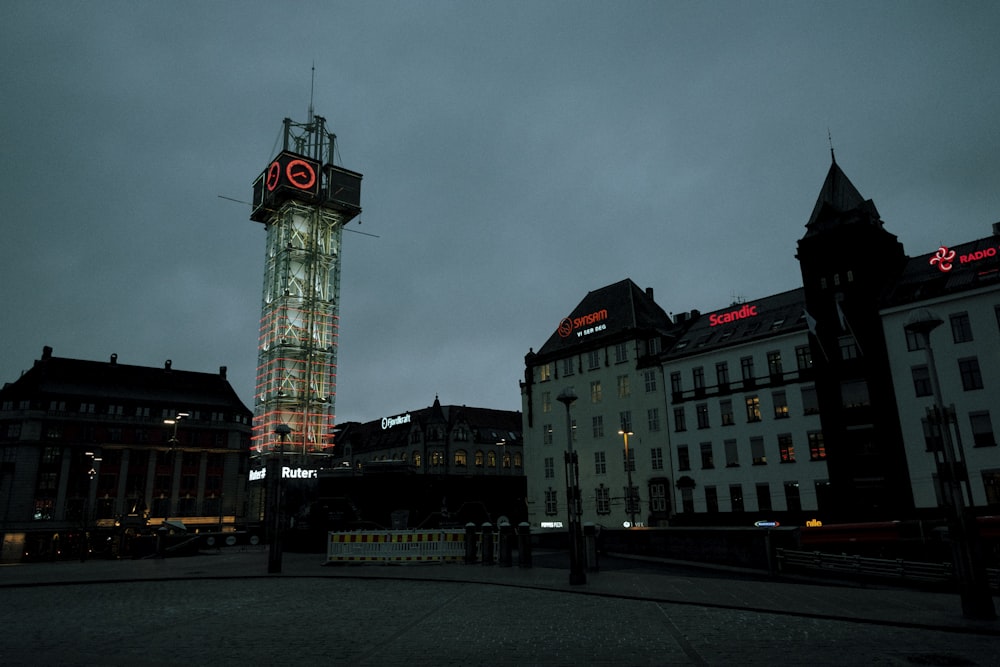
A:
(840, 202)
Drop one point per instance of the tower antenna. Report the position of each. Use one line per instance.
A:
(829, 137)
(312, 87)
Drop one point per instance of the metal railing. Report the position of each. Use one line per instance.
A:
(876, 568)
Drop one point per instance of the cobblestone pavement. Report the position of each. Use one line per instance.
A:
(224, 609)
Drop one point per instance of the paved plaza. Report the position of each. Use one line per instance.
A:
(224, 609)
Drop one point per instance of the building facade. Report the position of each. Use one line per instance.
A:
(806, 405)
(445, 465)
(90, 446)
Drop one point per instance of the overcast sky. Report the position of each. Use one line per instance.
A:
(516, 155)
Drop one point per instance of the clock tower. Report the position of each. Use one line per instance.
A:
(304, 201)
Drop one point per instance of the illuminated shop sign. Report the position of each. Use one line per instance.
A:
(945, 257)
(389, 422)
(715, 319)
(286, 473)
(584, 325)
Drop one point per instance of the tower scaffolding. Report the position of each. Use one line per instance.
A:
(304, 201)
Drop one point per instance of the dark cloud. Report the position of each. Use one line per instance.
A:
(515, 156)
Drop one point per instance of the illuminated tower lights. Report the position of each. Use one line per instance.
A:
(304, 201)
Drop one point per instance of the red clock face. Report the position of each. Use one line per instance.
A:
(301, 174)
(273, 176)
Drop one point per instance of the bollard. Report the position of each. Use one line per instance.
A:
(487, 543)
(524, 544)
(161, 541)
(470, 543)
(590, 547)
(506, 545)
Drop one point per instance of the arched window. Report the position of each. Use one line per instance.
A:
(416, 459)
(517, 460)
(491, 459)
(479, 458)
(460, 458)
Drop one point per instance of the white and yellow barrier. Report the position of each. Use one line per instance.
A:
(396, 546)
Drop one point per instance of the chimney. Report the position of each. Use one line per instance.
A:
(649, 293)
(167, 364)
(996, 229)
(46, 352)
(222, 372)
(114, 359)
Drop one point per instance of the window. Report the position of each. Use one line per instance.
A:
(653, 346)
(810, 404)
(624, 388)
(567, 366)
(972, 378)
(545, 372)
(711, 499)
(736, 497)
(649, 379)
(793, 503)
(656, 458)
(848, 348)
(746, 370)
(621, 353)
(785, 448)
(625, 419)
(757, 451)
(603, 497)
(657, 497)
(680, 423)
(546, 401)
(597, 424)
(551, 502)
(698, 377)
(763, 497)
(914, 341)
(628, 464)
(921, 380)
(722, 374)
(780, 404)
(732, 453)
(546, 434)
(961, 330)
(653, 419)
(932, 434)
(675, 382)
(817, 449)
(726, 412)
(595, 391)
(854, 394)
(707, 461)
(982, 429)
(480, 458)
(803, 358)
(753, 408)
(702, 411)
(594, 359)
(631, 499)
(774, 368)
(687, 500)
(600, 464)
(683, 458)
(991, 483)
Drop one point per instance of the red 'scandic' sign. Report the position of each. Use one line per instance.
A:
(715, 319)
(568, 325)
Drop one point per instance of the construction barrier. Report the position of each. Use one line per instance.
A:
(396, 546)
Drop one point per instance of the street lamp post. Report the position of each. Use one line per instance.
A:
(972, 582)
(576, 573)
(172, 455)
(630, 499)
(275, 501)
